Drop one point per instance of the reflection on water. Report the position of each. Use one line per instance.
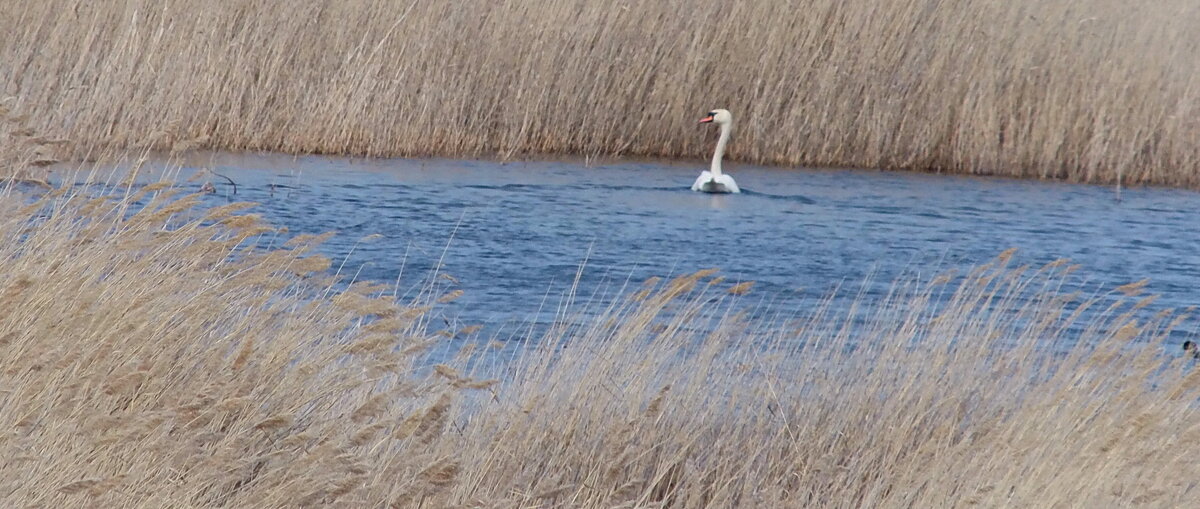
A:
(515, 234)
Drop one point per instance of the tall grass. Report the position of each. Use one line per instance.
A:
(157, 355)
(1087, 90)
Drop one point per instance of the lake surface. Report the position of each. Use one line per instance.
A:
(515, 235)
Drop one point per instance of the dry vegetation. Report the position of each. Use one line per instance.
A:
(23, 154)
(1082, 89)
(164, 356)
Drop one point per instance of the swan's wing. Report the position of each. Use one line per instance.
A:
(727, 181)
(704, 177)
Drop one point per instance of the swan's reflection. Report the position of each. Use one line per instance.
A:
(718, 201)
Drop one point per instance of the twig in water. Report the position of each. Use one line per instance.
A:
(231, 182)
(273, 186)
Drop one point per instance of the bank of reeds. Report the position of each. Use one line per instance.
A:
(1087, 90)
(161, 355)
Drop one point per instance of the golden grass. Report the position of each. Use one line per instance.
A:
(1087, 90)
(155, 360)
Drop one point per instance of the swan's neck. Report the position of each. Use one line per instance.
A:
(720, 152)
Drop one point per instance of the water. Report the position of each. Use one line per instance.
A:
(515, 235)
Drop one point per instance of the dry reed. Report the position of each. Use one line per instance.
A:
(152, 360)
(1086, 90)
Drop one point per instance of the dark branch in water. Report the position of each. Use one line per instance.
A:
(273, 186)
(231, 182)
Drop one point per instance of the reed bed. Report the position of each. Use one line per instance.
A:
(1085, 90)
(156, 354)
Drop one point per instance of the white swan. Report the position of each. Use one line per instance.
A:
(714, 181)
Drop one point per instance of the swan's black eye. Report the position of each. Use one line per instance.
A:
(712, 113)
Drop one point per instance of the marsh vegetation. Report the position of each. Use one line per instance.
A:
(1087, 90)
(157, 355)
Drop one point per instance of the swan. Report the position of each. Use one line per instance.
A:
(714, 181)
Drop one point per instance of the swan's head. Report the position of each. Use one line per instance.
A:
(720, 117)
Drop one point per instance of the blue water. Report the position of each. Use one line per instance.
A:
(514, 235)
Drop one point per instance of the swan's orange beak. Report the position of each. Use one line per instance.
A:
(706, 120)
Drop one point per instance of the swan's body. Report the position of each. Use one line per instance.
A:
(708, 182)
(714, 180)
